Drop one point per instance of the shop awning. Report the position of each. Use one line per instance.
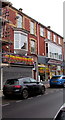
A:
(42, 60)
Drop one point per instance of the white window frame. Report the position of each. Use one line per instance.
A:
(41, 31)
(54, 38)
(49, 35)
(32, 40)
(19, 40)
(32, 27)
(19, 21)
(59, 40)
(56, 51)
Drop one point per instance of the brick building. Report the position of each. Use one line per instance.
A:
(26, 43)
(50, 57)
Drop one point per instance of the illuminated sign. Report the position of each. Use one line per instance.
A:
(18, 59)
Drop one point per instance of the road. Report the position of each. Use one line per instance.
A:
(40, 106)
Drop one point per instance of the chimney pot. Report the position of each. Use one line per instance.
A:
(20, 9)
(49, 27)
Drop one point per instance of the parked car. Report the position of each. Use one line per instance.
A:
(60, 114)
(57, 80)
(23, 86)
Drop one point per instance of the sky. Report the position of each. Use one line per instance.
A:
(47, 12)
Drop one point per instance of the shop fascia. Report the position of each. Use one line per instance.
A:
(17, 59)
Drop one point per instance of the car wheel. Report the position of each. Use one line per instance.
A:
(25, 94)
(43, 90)
(64, 85)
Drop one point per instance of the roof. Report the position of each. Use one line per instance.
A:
(37, 22)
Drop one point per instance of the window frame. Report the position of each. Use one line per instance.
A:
(41, 31)
(59, 40)
(19, 21)
(19, 40)
(34, 46)
(32, 27)
(49, 35)
(54, 36)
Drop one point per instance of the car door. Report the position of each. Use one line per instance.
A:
(28, 84)
(35, 85)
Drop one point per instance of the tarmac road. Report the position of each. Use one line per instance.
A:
(41, 106)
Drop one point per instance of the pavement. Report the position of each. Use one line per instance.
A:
(46, 83)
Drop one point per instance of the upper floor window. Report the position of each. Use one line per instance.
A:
(33, 46)
(54, 51)
(46, 49)
(49, 35)
(19, 21)
(20, 41)
(32, 28)
(59, 40)
(54, 38)
(41, 31)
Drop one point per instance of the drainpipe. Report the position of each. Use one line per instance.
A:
(38, 50)
(38, 36)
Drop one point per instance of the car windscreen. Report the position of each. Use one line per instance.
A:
(12, 82)
(55, 77)
(24, 80)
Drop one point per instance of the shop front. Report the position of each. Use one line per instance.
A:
(55, 67)
(43, 68)
(48, 67)
(43, 72)
(15, 66)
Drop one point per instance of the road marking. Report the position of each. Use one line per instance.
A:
(5, 104)
(19, 101)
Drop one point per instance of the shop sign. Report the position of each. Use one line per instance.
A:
(17, 59)
(54, 62)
